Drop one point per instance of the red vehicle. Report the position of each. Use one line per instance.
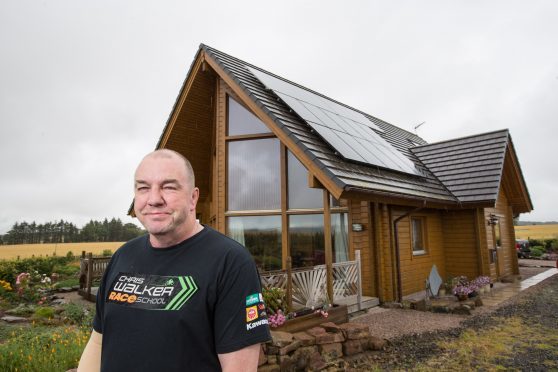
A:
(522, 248)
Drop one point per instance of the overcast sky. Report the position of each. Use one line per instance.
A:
(86, 86)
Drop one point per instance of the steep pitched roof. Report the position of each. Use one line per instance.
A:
(347, 175)
(472, 168)
(456, 172)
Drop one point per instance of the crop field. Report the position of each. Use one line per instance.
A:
(536, 232)
(61, 249)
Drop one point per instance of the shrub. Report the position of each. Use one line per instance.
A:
(107, 253)
(275, 300)
(45, 312)
(537, 251)
(70, 282)
(42, 348)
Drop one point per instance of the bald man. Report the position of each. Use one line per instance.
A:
(182, 298)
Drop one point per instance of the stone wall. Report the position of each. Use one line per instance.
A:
(317, 348)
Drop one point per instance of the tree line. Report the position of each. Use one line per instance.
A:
(66, 232)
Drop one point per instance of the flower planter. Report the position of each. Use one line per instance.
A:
(337, 314)
(462, 297)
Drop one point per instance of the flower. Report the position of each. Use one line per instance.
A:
(277, 319)
(462, 290)
(6, 285)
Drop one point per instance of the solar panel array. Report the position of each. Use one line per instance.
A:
(348, 131)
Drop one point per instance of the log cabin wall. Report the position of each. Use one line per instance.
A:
(359, 212)
(461, 244)
(192, 136)
(507, 257)
(415, 268)
(387, 256)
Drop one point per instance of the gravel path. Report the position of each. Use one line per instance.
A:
(411, 345)
(394, 323)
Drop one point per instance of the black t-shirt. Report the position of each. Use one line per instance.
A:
(176, 308)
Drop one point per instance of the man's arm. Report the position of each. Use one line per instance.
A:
(241, 360)
(91, 357)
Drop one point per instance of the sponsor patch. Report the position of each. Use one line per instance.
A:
(151, 292)
(253, 299)
(253, 325)
(251, 313)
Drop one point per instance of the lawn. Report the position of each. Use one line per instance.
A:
(8, 252)
(536, 232)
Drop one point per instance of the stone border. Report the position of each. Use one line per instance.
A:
(316, 348)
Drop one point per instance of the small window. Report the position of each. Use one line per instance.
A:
(497, 234)
(418, 235)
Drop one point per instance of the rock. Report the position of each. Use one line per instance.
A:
(269, 368)
(316, 362)
(478, 302)
(421, 305)
(376, 343)
(355, 331)
(364, 344)
(271, 359)
(440, 309)
(14, 319)
(280, 338)
(392, 305)
(331, 351)
(462, 310)
(304, 338)
(331, 327)
(315, 331)
(290, 347)
(59, 301)
(64, 289)
(302, 356)
(263, 358)
(352, 347)
(287, 363)
(329, 338)
(272, 350)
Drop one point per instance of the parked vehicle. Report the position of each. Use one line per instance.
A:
(522, 248)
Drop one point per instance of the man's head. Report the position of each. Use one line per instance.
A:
(166, 197)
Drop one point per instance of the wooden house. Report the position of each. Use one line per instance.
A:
(289, 172)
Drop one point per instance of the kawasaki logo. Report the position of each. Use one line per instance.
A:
(250, 326)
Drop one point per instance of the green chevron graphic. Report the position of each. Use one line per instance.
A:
(189, 287)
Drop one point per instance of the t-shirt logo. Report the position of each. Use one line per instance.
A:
(253, 299)
(151, 292)
(251, 313)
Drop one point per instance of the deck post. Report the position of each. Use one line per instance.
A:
(89, 274)
(328, 248)
(289, 284)
(359, 279)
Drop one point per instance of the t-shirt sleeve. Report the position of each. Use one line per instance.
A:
(240, 314)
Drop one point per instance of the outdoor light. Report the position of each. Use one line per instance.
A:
(492, 220)
(358, 227)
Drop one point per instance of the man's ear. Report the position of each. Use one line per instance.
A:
(195, 195)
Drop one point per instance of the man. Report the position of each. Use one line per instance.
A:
(182, 298)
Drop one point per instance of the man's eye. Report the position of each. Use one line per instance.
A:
(141, 188)
(169, 187)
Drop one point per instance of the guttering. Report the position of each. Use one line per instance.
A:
(397, 255)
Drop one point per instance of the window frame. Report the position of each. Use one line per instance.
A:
(423, 225)
(284, 211)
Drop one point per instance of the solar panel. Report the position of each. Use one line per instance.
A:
(348, 131)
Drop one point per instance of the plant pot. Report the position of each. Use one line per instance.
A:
(473, 294)
(441, 292)
(337, 314)
(462, 297)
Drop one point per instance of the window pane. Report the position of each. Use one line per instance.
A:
(242, 121)
(340, 237)
(261, 235)
(254, 179)
(417, 236)
(300, 195)
(306, 237)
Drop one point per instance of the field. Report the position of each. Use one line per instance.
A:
(27, 250)
(536, 232)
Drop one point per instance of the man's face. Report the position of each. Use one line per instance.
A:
(164, 201)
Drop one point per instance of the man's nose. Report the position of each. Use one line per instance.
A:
(155, 197)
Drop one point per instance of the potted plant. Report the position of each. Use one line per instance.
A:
(462, 292)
